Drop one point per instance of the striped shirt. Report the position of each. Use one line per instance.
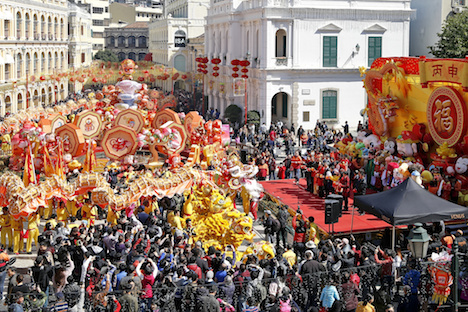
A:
(61, 306)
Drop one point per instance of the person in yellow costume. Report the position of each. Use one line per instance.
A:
(17, 227)
(89, 212)
(290, 256)
(6, 228)
(176, 221)
(33, 228)
(62, 213)
(49, 209)
(314, 234)
(72, 209)
(188, 204)
(245, 200)
(112, 216)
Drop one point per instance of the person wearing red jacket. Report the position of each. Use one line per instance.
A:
(300, 229)
(194, 267)
(296, 164)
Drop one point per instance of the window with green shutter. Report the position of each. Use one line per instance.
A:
(329, 106)
(375, 49)
(330, 44)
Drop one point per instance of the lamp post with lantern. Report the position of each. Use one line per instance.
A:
(419, 241)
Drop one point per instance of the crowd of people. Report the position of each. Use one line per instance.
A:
(141, 261)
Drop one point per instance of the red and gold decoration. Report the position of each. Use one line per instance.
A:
(72, 138)
(90, 124)
(235, 68)
(215, 62)
(119, 142)
(130, 118)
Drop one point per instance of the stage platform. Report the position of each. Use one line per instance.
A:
(292, 195)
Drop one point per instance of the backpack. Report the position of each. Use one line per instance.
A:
(283, 218)
(284, 306)
(275, 225)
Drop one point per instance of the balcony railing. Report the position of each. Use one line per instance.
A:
(282, 61)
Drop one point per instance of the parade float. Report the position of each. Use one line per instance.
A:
(417, 115)
(86, 153)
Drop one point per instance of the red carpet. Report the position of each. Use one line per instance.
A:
(292, 195)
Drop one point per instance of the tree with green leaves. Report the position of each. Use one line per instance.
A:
(106, 56)
(453, 40)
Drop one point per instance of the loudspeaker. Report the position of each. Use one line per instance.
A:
(332, 211)
(338, 198)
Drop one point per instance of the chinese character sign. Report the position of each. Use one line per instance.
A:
(238, 86)
(446, 113)
(437, 70)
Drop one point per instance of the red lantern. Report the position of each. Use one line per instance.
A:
(42, 78)
(141, 79)
(244, 70)
(235, 69)
(72, 79)
(244, 63)
(159, 77)
(245, 76)
(216, 61)
(199, 70)
(152, 79)
(57, 79)
(95, 79)
(215, 74)
(175, 76)
(216, 68)
(198, 59)
(184, 77)
(235, 62)
(235, 75)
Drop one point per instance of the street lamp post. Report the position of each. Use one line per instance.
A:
(419, 241)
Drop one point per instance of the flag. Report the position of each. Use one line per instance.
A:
(90, 160)
(59, 162)
(28, 174)
(49, 169)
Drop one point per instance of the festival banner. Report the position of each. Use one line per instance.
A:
(238, 87)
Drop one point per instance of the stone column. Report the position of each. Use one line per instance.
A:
(295, 103)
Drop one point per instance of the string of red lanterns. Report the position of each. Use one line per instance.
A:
(215, 61)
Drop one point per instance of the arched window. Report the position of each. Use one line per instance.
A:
(51, 95)
(56, 28)
(121, 41)
(43, 62)
(141, 56)
(43, 97)
(329, 104)
(50, 61)
(28, 99)
(132, 56)
(122, 56)
(28, 63)
(62, 29)
(19, 21)
(62, 92)
(179, 63)
(20, 101)
(111, 41)
(43, 28)
(27, 25)
(56, 61)
(36, 98)
(35, 27)
(8, 104)
(35, 64)
(49, 27)
(19, 65)
(131, 42)
(142, 42)
(62, 60)
(280, 49)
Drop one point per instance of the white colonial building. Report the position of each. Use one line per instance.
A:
(305, 55)
(33, 43)
(79, 41)
(169, 36)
